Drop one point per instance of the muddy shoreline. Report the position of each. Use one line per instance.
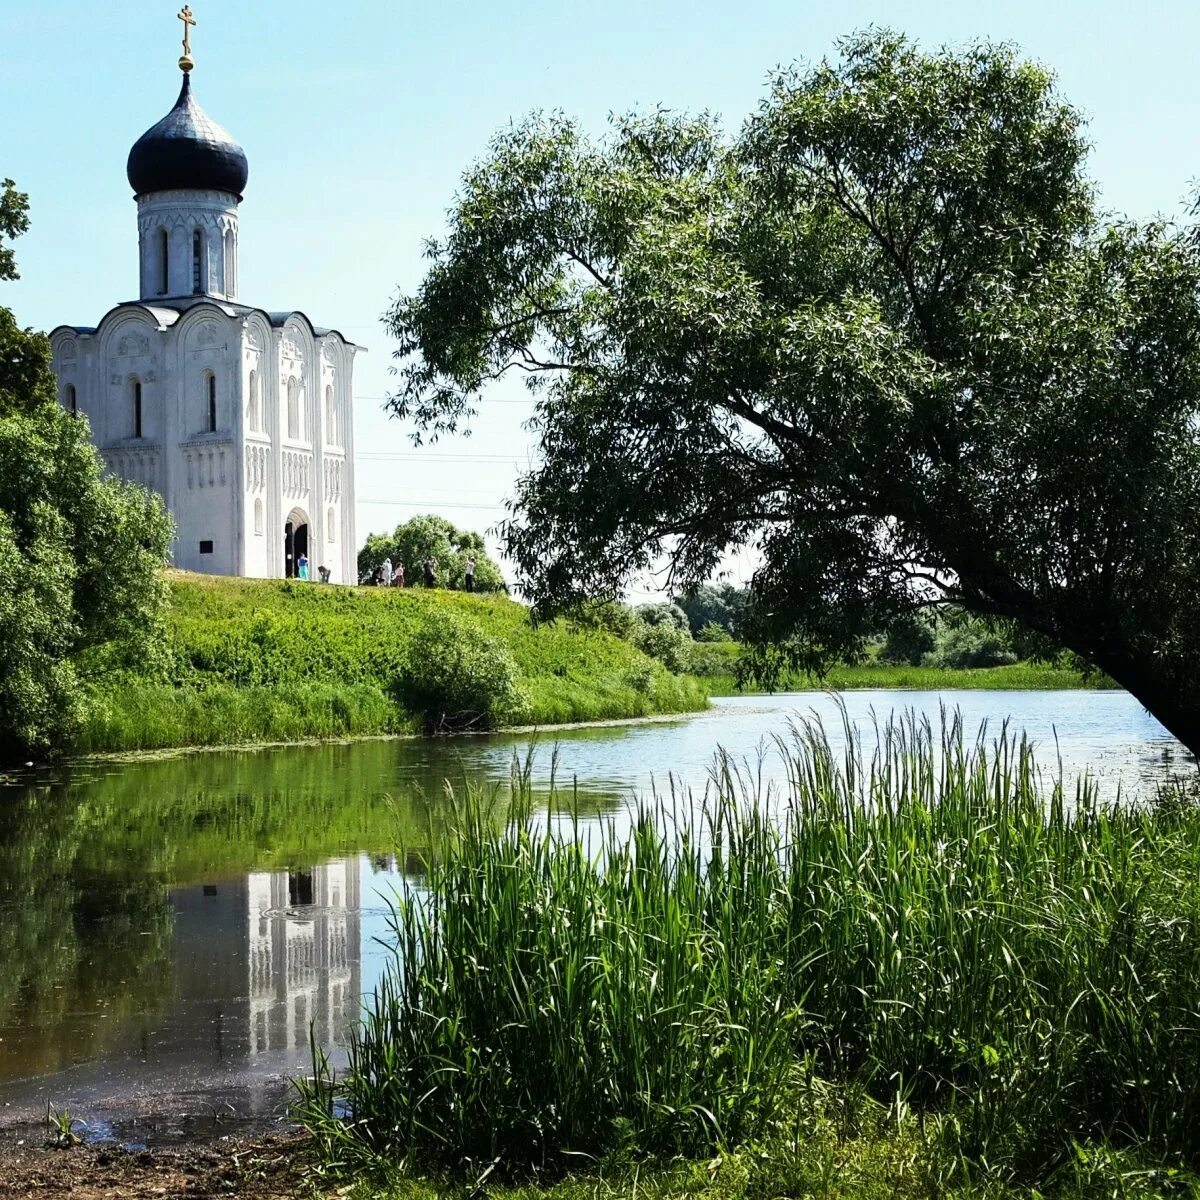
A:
(263, 1167)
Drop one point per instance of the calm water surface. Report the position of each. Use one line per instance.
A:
(170, 930)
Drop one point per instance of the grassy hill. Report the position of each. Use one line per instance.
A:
(267, 660)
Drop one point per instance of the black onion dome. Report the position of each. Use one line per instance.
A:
(187, 149)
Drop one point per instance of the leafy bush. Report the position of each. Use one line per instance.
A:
(908, 640)
(670, 615)
(712, 632)
(664, 641)
(713, 658)
(966, 642)
(457, 678)
(715, 604)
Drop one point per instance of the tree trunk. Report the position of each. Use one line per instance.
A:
(1179, 714)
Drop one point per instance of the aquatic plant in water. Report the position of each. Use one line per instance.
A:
(922, 921)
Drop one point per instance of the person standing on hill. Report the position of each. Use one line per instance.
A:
(398, 577)
(470, 573)
(385, 573)
(302, 566)
(430, 572)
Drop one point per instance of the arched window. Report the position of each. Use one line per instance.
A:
(253, 416)
(212, 403)
(258, 518)
(330, 526)
(135, 387)
(198, 279)
(72, 400)
(293, 408)
(164, 262)
(230, 265)
(330, 416)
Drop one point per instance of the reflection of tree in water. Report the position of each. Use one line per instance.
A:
(87, 862)
(78, 952)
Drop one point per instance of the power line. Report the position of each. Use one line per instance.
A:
(488, 400)
(435, 504)
(399, 456)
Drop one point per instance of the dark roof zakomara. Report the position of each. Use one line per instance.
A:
(187, 149)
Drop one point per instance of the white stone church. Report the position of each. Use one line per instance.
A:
(241, 419)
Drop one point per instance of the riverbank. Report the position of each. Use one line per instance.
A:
(842, 1163)
(875, 676)
(256, 661)
(715, 665)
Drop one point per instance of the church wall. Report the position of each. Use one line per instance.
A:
(258, 453)
(236, 487)
(205, 463)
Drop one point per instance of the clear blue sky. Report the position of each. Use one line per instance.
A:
(358, 119)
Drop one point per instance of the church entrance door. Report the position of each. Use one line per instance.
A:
(295, 543)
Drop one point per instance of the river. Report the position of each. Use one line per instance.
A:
(171, 929)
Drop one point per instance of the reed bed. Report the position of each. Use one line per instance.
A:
(921, 920)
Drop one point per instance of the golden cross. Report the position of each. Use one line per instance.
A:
(188, 20)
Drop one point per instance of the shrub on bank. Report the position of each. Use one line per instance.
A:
(457, 678)
(921, 923)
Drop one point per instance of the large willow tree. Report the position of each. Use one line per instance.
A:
(882, 335)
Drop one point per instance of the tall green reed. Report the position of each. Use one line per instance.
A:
(923, 919)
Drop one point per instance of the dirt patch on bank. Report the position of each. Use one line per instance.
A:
(263, 1168)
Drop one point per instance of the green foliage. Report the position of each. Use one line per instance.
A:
(664, 641)
(669, 615)
(14, 221)
(458, 678)
(1011, 970)
(882, 335)
(80, 592)
(967, 642)
(256, 660)
(909, 638)
(726, 677)
(715, 604)
(712, 632)
(836, 1147)
(412, 542)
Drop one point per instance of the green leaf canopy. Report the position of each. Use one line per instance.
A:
(882, 335)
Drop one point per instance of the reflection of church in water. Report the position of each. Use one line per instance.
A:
(241, 419)
(261, 958)
(303, 970)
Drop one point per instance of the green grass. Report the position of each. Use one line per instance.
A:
(1007, 976)
(715, 664)
(826, 1157)
(256, 660)
(842, 678)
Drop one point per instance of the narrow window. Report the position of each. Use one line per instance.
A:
(330, 417)
(253, 406)
(293, 408)
(230, 269)
(330, 526)
(164, 262)
(212, 404)
(72, 401)
(258, 517)
(137, 408)
(197, 262)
